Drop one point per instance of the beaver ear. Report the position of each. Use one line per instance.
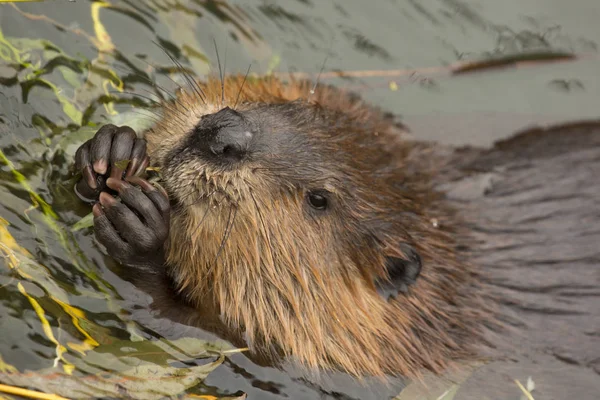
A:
(402, 272)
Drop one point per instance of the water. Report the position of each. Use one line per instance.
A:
(62, 63)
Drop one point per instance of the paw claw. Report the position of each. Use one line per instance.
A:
(116, 184)
(142, 183)
(101, 166)
(89, 177)
(97, 210)
(106, 200)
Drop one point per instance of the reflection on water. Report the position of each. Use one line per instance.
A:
(69, 67)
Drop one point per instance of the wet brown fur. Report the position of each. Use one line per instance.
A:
(302, 285)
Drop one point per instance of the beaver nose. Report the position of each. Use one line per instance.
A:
(226, 134)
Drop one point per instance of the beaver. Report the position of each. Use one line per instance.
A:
(297, 218)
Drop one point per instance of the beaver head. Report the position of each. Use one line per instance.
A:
(302, 218)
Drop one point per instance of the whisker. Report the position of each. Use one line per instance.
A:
(220, 73)
(268, 251)
(195, 87)
(226, 235)
(204, 216)
(144, 78)
(150, 93)
(154, 118)
(156, 85)
(189, 79)
(149, 108)
(135, 94)
(314, 88)
(168, 105)
(260, 216)
(224, 73)
(172, 97)
(205, 197)
(159, 88)
(242, 86)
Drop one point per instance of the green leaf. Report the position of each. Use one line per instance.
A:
(85, 222)
(122, 164)
(138, 370)
(433, 387)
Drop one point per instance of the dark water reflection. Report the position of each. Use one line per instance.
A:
(67, 67)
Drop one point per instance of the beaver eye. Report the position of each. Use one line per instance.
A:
(317, 199)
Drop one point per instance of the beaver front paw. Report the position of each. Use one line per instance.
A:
(134, 229)
(105, 155)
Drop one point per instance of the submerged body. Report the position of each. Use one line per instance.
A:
(306, 227)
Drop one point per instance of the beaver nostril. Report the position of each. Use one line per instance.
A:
(231, 152)
(231, 144)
